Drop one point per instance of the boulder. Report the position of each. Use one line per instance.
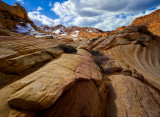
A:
(60, 79)
(131, 98)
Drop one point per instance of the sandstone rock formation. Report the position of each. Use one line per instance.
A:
(120, 81)
(71, 73)
(151, 21)
(21, 55)
(132, 65)
(131, 98)
(117, 75)
(135, 47)
(10, 16)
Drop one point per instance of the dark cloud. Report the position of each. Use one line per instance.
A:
(103, 14)
(115, 5)
(141, 5)
(85, 13)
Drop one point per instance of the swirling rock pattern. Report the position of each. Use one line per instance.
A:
(144, 59)
(115, 76)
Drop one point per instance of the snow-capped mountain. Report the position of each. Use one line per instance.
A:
(74, 31)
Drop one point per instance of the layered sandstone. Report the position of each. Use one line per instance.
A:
(123, 81)
(115, 75)
(75, 76)
(132, 66)
(20, 55)
(135, 47)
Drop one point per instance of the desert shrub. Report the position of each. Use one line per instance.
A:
(99, 58)
(141, 43)
(94, 39)
(112, 70)
(68, 48)
(141, 29)
(144, 30)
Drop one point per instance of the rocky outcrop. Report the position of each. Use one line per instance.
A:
(120, 81)
(59, 29)
(76, 32)
(130, 60)
(17, 57)
(104, 76)
(10, 16)
(151, 21)
(136, 48)
(130, 98)
(62, 80)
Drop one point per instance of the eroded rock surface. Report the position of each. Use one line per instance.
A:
(20, 56)
(41, 89)
(121, 80)
(130, 98)
(151, 21)
(10, 16)
(115, 76)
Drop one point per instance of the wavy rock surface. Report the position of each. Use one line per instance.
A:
(137, 49)
(115, 76)
(144, 59)
(121, 82)
(41, 89)
(133, 68)
(21, 56)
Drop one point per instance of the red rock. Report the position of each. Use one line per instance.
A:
(151, 21)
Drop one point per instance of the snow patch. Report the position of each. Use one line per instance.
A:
(90, 31)
(57, 31)
(75, 39)
(42, 35)
(23, 29)
(64, 34)
(28, 29)
(95, 31)
(75, 33)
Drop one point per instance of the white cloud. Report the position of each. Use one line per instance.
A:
(111, 22)
(21, 1)
(103, 14)
(158, 7)
(40, 19)
(39, 8)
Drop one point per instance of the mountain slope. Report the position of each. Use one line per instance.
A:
(76, 32)
(151, 21)
(13, 15)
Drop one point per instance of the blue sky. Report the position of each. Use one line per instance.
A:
(104, 14)
(32, 5)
